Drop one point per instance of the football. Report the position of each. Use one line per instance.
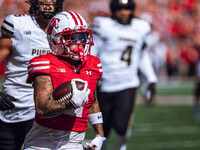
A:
(63, 91)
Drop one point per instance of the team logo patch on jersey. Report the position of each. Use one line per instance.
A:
(61, 70)
(89, 72)
(84, 103)
(99, 117)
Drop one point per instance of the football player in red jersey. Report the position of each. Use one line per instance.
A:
(23, 37)
(62, 125)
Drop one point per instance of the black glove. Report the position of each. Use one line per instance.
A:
(150, 92)
(6, 101)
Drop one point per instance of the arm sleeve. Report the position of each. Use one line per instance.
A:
(38, 66)
(7, 27)
(99, 69)
(146, 68)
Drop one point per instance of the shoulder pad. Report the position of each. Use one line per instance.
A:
(7, 27)
(142, 25)
(100, 23)
(10, 22)
(39, 65)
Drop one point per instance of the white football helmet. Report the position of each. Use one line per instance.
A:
(69, 28)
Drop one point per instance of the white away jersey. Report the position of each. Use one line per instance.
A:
(28, 41)
(120, 49)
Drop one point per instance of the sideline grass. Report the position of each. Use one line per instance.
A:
(162, 128)
(165, 128)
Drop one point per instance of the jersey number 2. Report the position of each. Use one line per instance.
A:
(126, 55)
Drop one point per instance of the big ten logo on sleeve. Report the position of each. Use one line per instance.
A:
(40, 52)
(61, 70)
(27, 32)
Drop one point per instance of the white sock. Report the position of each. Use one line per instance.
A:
(120, 142)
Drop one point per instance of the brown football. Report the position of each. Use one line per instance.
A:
(63, 91)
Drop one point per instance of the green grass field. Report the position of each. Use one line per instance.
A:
(162, 128)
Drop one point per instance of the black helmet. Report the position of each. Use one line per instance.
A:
(119, 4)
(34, 9)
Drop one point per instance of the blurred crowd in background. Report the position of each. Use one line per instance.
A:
(174, 43)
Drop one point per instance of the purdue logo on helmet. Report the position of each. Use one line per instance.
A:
(35, 5)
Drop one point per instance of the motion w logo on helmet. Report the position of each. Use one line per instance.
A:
(52, 24)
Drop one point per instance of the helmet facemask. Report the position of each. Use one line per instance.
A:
(74, 43)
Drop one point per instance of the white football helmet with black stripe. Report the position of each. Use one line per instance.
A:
(65, 29)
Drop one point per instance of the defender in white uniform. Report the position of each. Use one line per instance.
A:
(23, 37)
(119, 42)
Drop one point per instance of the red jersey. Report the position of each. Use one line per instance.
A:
(61, 71)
